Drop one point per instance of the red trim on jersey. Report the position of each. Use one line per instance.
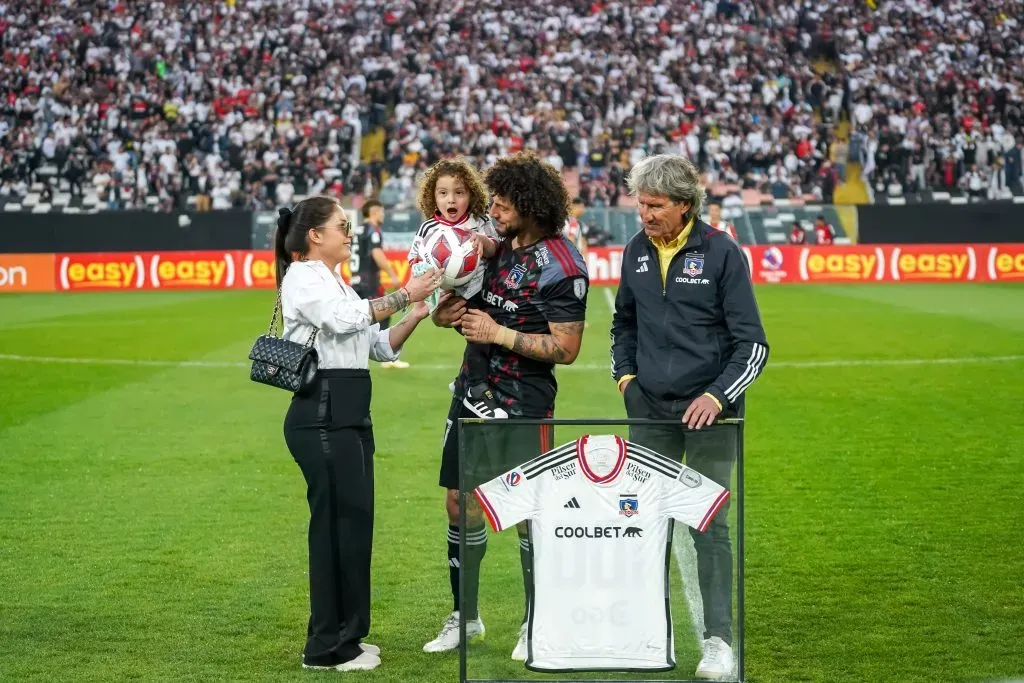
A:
(489, 513)
(581, 445)
(545, 438)
(564, 257)
(441, 219)
(719, 502)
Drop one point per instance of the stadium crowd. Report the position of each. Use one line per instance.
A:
(248, 103)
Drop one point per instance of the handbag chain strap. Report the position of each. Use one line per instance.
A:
(273, 320)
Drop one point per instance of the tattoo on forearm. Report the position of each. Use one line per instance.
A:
(549, 347)
(389, 304)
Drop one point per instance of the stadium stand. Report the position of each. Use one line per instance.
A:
(206, 106)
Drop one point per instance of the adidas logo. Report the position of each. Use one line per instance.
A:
(642, 268)
(573, 503)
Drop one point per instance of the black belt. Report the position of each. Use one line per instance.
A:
(342, 373)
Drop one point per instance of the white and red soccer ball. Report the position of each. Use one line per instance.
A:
(452, 251)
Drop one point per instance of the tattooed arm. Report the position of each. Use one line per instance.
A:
(561, 346)
(389, 304)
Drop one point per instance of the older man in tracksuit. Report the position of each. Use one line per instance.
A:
(687, 341)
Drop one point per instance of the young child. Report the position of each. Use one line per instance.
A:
(452, 194)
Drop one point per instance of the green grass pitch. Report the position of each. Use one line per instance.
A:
(152, 523)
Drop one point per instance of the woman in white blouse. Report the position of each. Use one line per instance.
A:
(328, 430)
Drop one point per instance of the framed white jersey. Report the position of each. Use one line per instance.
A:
(599, 510)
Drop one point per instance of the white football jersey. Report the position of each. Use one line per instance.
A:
(599, 510)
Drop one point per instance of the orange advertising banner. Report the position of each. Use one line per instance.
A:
(887, 263)
(26, 273)
(254, 269)
(192, 270)
(1005, 262)
(110, 271)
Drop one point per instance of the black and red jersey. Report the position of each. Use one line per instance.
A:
(524, 289)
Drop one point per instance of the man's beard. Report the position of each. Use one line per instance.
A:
(509, 231)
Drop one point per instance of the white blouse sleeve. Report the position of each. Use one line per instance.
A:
(380, 346)
(324, 304)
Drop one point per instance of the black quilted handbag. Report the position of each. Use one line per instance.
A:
(281, 363)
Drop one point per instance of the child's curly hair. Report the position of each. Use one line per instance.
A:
(535, 189)
(459, 168)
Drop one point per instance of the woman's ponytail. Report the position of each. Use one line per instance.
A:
(282, 256)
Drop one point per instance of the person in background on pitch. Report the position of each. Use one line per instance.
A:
(329, 431)
(534, 305)
(369, 261)
(453, 195)
(576, 233)
(574, 230)
(823, 232)
(687, 341)
(716, 221)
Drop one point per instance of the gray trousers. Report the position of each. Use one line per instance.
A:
(712, 453)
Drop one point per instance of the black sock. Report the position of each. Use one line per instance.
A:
(476, 548)
(526, 560)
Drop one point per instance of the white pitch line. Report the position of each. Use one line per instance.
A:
(610, 299)
(125, 361)
(587, 367)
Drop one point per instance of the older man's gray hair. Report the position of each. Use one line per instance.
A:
(671, 175)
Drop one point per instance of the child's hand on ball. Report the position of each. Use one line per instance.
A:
(485, 246)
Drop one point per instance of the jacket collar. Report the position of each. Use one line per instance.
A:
(695, 238)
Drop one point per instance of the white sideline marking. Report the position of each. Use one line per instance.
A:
(686, 560)
(126, 361)
(588, 367)
(610, 299)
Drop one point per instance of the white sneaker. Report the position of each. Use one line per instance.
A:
(372, 649)
(363, 662)
(520, 651)
(718, 662)
(448, 639)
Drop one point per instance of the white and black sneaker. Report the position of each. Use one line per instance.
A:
(481, 402)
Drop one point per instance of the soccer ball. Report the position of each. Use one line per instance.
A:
(452, 251)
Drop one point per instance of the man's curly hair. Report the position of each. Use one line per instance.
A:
(534, 188)
(458, 168)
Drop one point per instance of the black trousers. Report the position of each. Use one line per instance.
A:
(712, 453)
(331, 438)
